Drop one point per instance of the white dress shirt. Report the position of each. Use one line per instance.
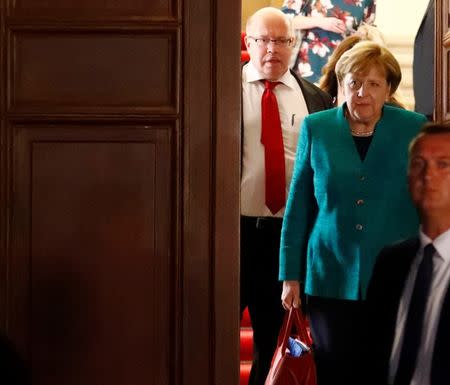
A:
(292, 108)
(438, 290)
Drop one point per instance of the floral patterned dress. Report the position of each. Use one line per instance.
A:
(317, 44)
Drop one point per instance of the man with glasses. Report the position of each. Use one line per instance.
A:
(274, 103)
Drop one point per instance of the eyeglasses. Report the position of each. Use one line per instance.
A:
(264, 42)
(356, 84)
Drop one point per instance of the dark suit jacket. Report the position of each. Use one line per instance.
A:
(423, 63)
(383, 298)
(316, 99)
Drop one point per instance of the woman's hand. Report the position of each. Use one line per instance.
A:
(291, 294)
(332, 24)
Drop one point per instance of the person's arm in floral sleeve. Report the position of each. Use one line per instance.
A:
(300, 11)
(369, 12)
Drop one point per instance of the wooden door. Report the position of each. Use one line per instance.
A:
(442, 65)
(119, 182)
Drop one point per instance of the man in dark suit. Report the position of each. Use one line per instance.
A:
(423, 64)
(408, 299)
(271, 91)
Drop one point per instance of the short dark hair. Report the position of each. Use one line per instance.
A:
(430, 128)
(435, 128)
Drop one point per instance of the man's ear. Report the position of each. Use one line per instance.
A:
(247, 41)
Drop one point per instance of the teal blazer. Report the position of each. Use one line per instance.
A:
(341, 211)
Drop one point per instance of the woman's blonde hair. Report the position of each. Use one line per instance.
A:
(365, 55)
(328, 82)
(370, 32)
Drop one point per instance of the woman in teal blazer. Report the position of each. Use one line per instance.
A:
(348, 198)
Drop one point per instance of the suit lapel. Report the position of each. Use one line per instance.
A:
(342, 135)
(312, 97)
(440, 370)
(384, 293)
(403, 265)
(381, 141)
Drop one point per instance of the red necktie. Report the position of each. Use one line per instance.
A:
(272, 139)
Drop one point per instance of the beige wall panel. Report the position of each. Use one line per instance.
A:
(108, 72)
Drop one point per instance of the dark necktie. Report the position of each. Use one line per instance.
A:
(414, 322)
(272, 139)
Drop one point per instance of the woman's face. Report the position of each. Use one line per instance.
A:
(365, 94)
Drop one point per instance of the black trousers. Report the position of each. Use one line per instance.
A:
(337, 328)
(261, 290)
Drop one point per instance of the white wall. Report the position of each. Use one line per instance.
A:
(400, 19)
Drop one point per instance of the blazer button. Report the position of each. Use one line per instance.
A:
(360, 202)
(359, 227)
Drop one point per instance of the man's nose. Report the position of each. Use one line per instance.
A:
(429, 171)
(271, 46)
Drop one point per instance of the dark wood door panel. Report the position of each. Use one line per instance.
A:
(80, 9)
(445, 74)
(119, 240)
(114, 72)
(92, 274)
(446, 82)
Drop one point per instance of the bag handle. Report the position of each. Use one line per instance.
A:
(301, 328)
(293, 317)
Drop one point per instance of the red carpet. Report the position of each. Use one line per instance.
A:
(246, 348)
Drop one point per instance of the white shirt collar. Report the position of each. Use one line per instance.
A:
(252, 75)
(440, 243)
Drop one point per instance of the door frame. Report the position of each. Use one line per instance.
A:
(211, 190)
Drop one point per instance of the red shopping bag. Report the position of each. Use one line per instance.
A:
(285, 368)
